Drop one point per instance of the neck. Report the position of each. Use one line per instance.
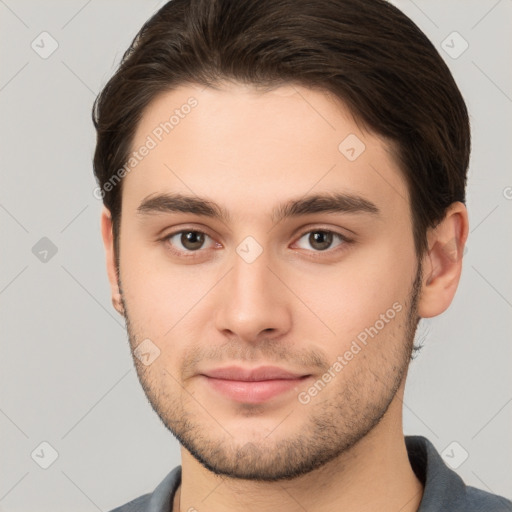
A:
(374, 474)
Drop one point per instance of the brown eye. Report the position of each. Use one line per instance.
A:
(187, 240)
(192, 240)
(320, 239)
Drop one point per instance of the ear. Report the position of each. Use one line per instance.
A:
(108, 242)
(442, 265)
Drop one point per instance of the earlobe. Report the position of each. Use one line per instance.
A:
(108, 243)
(442, 265)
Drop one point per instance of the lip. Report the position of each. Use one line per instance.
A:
(252, 374)
(255, 385)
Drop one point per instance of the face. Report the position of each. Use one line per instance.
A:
(271, 314)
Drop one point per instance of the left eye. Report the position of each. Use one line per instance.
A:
(321, 240)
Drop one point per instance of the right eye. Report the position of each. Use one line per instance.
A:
(186, 241)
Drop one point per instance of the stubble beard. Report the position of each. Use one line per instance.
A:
(332, 426)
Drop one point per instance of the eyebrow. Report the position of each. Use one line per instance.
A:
(317, 203)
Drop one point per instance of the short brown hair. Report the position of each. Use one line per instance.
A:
(365, 52)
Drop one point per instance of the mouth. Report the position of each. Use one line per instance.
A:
(253, 385)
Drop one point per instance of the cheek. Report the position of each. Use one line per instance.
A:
(352, 296)
(162, 298)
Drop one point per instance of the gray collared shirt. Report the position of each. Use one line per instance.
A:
(444, 490)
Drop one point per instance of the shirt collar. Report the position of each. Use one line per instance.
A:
(443, 488)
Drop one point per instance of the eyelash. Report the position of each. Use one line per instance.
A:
(192, 254)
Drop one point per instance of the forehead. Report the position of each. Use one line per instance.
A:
(243, 146)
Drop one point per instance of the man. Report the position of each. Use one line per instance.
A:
(284, 188)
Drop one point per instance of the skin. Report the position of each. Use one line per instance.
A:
(294, 306)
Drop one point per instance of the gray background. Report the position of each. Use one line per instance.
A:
(67, 377)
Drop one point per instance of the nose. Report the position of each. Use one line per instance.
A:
(252, 302)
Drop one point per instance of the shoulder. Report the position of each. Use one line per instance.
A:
(160, 500)
(136, 505)
(478, 500)
(444, 489)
